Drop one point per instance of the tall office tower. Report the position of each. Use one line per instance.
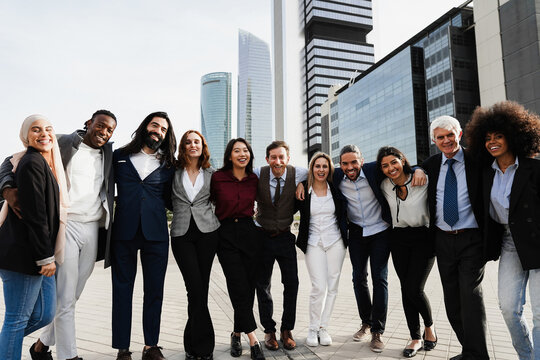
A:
(335, 51)
(216, 114)
(255, 120)
(508, 46)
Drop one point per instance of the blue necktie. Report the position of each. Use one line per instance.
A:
(450, 206)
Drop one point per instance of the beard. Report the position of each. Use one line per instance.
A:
(151, 143)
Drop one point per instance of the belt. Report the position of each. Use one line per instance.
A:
(454, 232)
(275, 233)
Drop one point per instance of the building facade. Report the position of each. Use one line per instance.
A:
(216, 114)
(255, 110)
(508, 38)
(335, 51)
(394, 101)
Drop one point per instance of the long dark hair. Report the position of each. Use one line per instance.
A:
(392, 151)
(227, 162)
(168, 146)
(183, 159)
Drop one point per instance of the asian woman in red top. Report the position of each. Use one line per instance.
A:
(233, 189)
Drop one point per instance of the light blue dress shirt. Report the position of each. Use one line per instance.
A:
(363, 208)
(465, 210)
(500, 192)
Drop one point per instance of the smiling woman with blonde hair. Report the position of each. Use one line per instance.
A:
(322, 236)
(30, 244)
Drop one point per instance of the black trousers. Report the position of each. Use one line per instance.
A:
(280, 248)
(154, 257)
(413, 254)
(461, 266)
(238, 253)
(194, 253)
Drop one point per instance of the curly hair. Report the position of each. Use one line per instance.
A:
(520, 127)
(183, 158)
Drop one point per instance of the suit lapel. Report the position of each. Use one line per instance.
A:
(523, 173)
(182, 191)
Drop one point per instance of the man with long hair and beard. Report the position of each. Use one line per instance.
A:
(143, 171)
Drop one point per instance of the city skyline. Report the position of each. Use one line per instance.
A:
(67, 60)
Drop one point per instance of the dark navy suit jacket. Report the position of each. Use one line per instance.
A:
(374, 178)
(141, 202)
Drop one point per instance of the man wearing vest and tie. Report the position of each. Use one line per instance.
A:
(455, 207)
(275, 210)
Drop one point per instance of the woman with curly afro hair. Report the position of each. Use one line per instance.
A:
(507, 136)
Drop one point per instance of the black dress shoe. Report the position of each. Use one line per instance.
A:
(457, 357)
(409, 353)
(44, 354)
(256, 352)
(430, 345)
(207, 357)
(236, 346)
(190, 356)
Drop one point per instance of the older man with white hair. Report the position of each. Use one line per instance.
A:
(455, 206)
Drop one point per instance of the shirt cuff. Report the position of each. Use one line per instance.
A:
(46, 261)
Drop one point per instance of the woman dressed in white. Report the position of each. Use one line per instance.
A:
(322, 237)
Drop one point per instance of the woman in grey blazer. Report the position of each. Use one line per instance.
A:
(194, 239)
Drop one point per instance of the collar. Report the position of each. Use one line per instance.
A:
(283, 177)
(311, 188)
(152, 155)
(495, 165)
(458, 157)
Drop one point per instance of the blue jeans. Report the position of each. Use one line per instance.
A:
(376, 249)
(512, 289)
(30, 305)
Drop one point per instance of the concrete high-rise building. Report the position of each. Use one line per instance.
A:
(255, 111)
(508, 46)
(216, 113)
(335, 51)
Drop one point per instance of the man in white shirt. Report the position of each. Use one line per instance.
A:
(87, 159)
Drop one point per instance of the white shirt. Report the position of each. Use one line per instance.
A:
(192, 189)
(323, 227)
(411, 212)
(144, 163)
(363, 208)
(85, 174)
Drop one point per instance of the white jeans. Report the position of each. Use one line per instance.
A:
(324, 267)
(79, 259)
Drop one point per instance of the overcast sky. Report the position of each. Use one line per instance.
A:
(65, 58)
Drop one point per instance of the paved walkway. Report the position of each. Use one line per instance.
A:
(94, 319)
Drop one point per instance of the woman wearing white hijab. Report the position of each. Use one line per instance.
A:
(30, 244)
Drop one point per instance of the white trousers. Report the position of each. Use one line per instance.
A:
(79, 259)
(324, 267)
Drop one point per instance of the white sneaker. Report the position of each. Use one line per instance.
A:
(324, 337)
(312, 339)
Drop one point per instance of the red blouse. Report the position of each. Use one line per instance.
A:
(233, 197)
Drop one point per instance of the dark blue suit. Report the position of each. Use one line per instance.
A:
(374, 247)
(140, 223)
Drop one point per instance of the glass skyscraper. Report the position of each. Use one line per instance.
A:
(255, 120)
(335, 51)
(394, 101)
(216, 114)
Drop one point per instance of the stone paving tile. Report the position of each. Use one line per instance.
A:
(94, 319)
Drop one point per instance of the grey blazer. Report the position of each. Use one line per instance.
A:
(201, 208)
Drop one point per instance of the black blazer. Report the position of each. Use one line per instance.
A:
(23, 242)
(374, 178)
(524, 213)
(305, 215)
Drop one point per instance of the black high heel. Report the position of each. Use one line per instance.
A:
(429, 345)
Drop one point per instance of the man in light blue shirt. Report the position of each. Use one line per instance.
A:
(455, 206)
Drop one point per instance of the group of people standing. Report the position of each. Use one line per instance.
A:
(462, 207)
